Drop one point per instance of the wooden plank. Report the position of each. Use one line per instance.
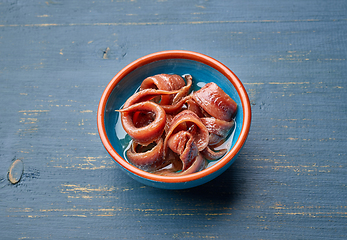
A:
(56, 57)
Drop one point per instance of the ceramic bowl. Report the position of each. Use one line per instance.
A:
(126, 82)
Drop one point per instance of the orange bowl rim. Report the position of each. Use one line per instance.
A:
(176, 54)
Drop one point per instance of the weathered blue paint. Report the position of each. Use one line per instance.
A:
(289, 181)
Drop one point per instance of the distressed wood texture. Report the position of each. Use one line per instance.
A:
(289, 182)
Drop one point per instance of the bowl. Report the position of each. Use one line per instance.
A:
(126, 82)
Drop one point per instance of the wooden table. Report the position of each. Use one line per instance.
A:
(289, 182)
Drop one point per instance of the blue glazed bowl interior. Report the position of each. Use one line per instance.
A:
(201, 74)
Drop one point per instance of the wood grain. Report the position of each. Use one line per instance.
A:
(289, 182)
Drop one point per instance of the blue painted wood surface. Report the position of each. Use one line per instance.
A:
(57, 56)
